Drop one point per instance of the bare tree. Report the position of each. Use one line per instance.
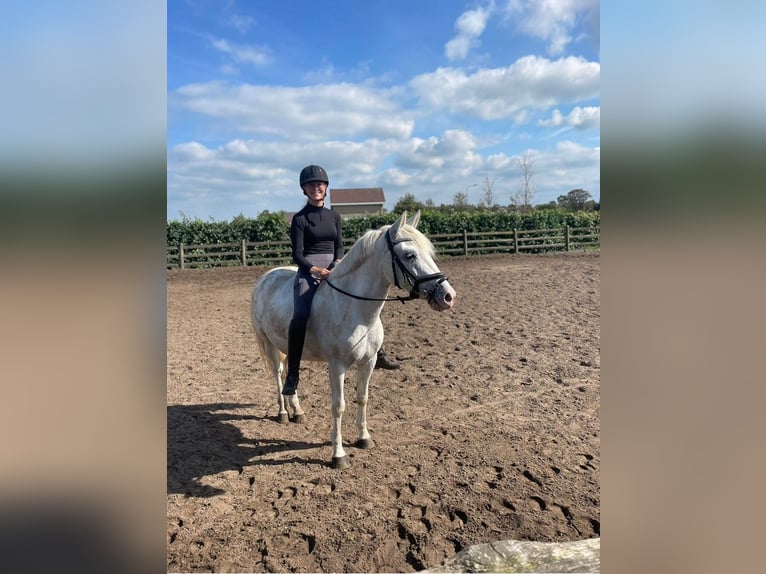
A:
(460, 201)
(522, 199)
(489, 195)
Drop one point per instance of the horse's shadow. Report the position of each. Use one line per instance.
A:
(201, 441)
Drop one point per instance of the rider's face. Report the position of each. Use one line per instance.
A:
(315, 190)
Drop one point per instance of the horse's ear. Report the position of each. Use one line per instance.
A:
(415, 219)
(399, 223)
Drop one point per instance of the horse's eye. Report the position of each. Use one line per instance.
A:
(410, 256)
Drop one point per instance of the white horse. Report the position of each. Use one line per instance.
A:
(344, 329)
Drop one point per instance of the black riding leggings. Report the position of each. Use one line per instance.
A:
(304, 288)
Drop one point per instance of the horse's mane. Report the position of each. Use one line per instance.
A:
(367, 243)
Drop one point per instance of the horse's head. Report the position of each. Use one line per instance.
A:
(412, 262)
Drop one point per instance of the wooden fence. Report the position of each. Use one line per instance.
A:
(451, 244)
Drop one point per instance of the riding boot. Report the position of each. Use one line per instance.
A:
(295, 338)
(383, 362)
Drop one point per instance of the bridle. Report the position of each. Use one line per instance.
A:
(408, 276)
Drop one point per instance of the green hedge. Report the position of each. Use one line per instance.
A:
(266, 227)
(273, 227)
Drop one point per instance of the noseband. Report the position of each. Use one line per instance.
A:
(409, 277)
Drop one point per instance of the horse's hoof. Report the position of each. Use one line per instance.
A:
(364, 443)
(283, 418)
(340, 462)
(299, 418)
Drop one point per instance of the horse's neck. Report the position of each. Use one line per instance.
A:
(366, 279)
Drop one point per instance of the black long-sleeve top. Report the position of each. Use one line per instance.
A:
(315, 230)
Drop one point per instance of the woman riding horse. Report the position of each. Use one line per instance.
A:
(316, 235)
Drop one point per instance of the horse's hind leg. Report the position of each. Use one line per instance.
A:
(282, 400)
(277, 373)
(298, 414)
(363, 374)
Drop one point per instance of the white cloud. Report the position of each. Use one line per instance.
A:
(229, 70)
(255, 175)
(457, 48)
(569, 166)
(306, 113)
(553, 20)
(364, 136)
(241, 22)
(580, 118)
(454, 148)
(491, 94)
(193, 151)
(469, 25)
(473, 22)
(257, 56)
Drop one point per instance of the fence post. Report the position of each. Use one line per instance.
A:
(465, 243)
(515, 240)
(244, 254)
(180, 255)
(566, 237)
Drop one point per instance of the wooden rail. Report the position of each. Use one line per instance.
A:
(466, 243)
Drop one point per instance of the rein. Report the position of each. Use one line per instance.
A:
(402, 299)
(406, 273)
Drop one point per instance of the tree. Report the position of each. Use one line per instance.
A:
(489, 195)
(522, 199)
(460, 201)
(408, 203)
(575, 200)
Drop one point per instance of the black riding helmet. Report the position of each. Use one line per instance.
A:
(314, 173)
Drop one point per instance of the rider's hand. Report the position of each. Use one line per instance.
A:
(320, 272)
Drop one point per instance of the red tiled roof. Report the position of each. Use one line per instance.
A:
(357, 195)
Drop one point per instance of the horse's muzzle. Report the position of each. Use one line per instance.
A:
(441, 296)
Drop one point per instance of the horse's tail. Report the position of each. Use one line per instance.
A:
(273, 358)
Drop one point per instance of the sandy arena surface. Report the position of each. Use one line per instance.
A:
(489, 431)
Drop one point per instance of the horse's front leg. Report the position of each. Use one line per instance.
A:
(337, 376)
(363, 374)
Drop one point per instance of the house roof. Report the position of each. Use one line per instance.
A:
(357, 196)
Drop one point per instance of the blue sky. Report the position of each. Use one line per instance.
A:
(429, 97)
